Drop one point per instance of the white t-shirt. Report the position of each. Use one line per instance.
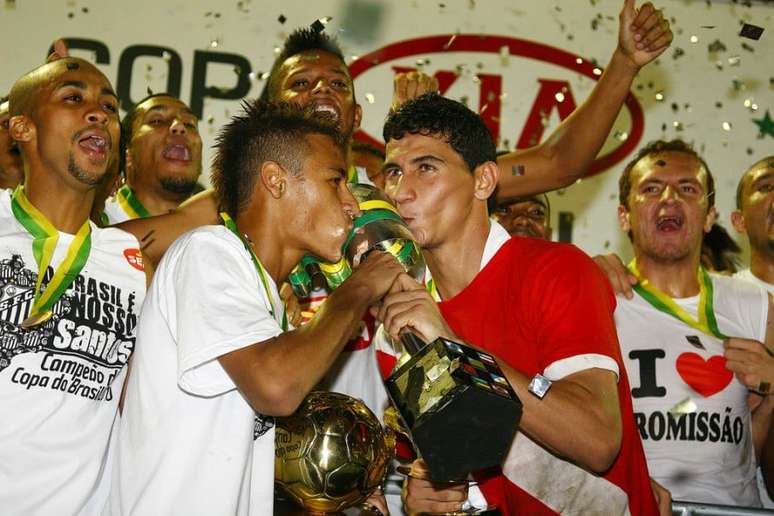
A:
(60, 382)
(189, 442)
(114, 212)
(746, 274)
(704, 455)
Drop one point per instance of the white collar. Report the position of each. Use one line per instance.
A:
(496, 238)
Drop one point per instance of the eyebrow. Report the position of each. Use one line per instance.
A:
(162, 107)
(304, 69)
(82, 86)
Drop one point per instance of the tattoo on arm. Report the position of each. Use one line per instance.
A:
(517, 170)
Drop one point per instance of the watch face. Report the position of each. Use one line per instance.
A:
(539, 385)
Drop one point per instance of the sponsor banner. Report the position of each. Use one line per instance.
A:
(524, 65)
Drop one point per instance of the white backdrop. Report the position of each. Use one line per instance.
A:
(708, 88)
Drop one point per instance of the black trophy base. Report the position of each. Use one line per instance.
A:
(459, 409)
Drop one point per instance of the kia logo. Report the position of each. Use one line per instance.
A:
(553, 94)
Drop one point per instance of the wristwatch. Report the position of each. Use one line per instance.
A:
(539, 385)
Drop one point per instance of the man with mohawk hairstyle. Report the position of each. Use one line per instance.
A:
(69, 296)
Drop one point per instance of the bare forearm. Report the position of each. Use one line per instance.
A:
(276, 375)
(570, 150)
(571, 420)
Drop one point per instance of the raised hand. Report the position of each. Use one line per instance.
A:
(407, 86)
(643, 34)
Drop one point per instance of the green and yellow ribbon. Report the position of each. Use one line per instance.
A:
(45, 237)
(130, 203)
(262, 274)
(706, 322)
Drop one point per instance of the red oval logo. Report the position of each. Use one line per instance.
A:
(134, 258)
(490, 107)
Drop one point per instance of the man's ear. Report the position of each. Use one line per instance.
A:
(737, 220)
(274, 178)
(623, 219)
(358, 117)
(21, 129)
(712, 217)
(485, 178)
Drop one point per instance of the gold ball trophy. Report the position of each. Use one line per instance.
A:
(331, 454)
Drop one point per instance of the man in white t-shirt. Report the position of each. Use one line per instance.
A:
(65, 337)
(754, 217)
(694, 344)
(214, 346)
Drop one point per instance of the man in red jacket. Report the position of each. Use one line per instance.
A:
(544, 309)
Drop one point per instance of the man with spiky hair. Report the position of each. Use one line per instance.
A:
(69, 296)
(161, 158)
(11, 170)
(215, 347)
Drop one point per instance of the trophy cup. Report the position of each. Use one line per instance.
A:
(331, 454)
(460, 411)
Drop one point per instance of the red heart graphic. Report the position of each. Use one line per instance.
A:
(707, 377)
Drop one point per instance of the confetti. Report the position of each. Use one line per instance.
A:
(694, 39)
(597, 71)
(751, 31)
(148, 90)
(84, 9)
(214, 43)
(210, 119)
(319, 24)
(677, 125)
(678, 53)
(718, 104)
(726, 126)
(716, 46)
(559, 97)
(451, 41)
(738, 85)
(683, 407)
(370, 98)
(660, 96)
(621, 136)
(694, 341)
(281, 18)
(166, 56)
(505, 55)
(748, 47)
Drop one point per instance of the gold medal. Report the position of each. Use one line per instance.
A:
(36, 320)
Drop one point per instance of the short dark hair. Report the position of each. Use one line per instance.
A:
(299, 41)
(659, 147)
(541, 199)
(265, 131)
(769, 160)
(3, 98)
(127, 128)
(434, 115)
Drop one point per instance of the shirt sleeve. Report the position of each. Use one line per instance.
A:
(221, 307)
(571, 306)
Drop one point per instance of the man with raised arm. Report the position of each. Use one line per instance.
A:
(311, 71)
(69, 296)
